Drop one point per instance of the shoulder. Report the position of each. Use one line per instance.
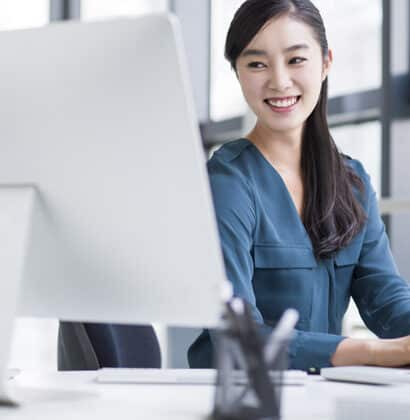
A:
(227, 166)
(229, 178)
(229, 155)
(357, 168)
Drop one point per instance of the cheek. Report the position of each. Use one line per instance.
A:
(252, 87)
(312, 87)
(312, 79)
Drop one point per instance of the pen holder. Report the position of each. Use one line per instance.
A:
(256, 394)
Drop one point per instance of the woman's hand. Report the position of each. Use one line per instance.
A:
(391, 352)
(376, 352)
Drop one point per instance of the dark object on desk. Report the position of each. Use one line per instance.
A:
(89, 346)
(313, 371)
(239, 344)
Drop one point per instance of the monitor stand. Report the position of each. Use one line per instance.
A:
(16, 218)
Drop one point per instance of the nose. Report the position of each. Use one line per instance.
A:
(280, 79)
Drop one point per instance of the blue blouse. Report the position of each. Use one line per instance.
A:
(270, 261)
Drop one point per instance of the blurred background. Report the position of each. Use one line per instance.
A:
(369, 111)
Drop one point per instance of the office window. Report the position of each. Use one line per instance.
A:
(226, 99)
(18, 14)
(98, 9)
(357, 46)
(362, 142)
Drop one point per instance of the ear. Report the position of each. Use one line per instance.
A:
(327, 64)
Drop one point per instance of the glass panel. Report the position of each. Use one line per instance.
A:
(362, 142)
(358, 66)
(18, 14)
(98, 9)
(226, 99)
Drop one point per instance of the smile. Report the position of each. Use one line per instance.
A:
(282, 103)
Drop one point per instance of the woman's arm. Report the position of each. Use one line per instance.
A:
(382, 297)
(381, 294)
(392, 352)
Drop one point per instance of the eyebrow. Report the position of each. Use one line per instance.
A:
(253, 51)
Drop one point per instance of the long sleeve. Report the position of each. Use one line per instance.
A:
(382, 296)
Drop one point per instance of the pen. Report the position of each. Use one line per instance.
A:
(282, 332)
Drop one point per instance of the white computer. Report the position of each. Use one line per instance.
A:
(105, 207)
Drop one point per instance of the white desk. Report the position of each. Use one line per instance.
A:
(60, 396)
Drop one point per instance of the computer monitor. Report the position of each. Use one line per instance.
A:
(102, 158)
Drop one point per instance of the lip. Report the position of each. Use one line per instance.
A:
(282, 98)
(282, 110)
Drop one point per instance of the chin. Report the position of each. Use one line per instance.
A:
(282, 127)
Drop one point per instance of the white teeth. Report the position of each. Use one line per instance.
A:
(282, 103)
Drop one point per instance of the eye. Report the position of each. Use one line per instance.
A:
(297, 60)
(256, 65)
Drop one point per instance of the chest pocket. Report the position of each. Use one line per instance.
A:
(349, 255)
(345, 262)
(283, 278)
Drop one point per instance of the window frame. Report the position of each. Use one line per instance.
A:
(355, 108)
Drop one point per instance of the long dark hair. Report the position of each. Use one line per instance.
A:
(332, 214)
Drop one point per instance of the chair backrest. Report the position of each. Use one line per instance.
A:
(89, 346)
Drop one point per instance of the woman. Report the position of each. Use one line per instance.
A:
(298, 221)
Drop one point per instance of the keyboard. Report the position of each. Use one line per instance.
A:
(184, 376)
(367, 374)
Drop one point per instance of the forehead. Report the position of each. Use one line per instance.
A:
(283, 32)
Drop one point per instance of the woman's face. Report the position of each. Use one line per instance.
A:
(281, 73)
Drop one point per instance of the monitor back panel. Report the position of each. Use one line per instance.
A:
(100, 118)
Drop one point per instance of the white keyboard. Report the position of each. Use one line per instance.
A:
(182, 376)
(367, 374)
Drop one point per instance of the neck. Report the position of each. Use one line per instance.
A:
(282, 149)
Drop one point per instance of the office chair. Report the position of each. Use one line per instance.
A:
(89, 346)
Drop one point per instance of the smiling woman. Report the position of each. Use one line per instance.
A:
(298, 221)
(285, 84)
(282, 74)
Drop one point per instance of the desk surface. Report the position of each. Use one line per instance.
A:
(76, 395)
